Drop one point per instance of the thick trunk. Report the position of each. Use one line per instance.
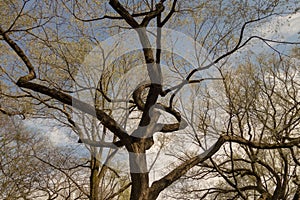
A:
(139, 173)
(140, 186)
(94, 179)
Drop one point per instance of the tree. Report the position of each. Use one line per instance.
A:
(44, 42)
(24, 176)
(259, 106)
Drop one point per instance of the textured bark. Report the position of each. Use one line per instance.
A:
(94, 179)
(297, 194)
(139, 186)
(139, 172)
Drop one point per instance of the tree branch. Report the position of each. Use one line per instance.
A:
(105, 119)
(236, 47)
(169, 14)
(115, 4)
(119, 192)
(31, 75)
(98, 143)
(159, 8)
(260, 145)
(175, 174)
(181, 124)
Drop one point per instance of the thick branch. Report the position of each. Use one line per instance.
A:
(23, 82)
(160, 127)
(31, 75)
(105, 119)
(154, 70)
(179, 171)
(115, 4)
(155, 74)
(170, 13)
(159, 9)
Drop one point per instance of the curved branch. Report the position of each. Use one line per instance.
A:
(237, 47)
(172, 11)
(23, 82)
(107, 98)
(181, 124)
(31, 75)
(105, 119)
(176, 173)
(159, 8)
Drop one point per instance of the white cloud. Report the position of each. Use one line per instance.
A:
(281, 27)
(58, 137)
(48, 129)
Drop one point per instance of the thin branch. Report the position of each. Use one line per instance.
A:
(98, 143)
(165, 92)
(62, 171)
(119, 192)
(14, 113)
(260, 145)
(18, 16)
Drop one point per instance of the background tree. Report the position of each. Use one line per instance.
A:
(258, 107)
(44, 42)
(30, 171)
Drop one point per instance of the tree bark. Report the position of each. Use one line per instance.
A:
(139, 172)
(140, 186)
(94, 179)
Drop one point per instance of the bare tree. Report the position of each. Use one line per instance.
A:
(25, 172)
(258, 108)
(44, 42)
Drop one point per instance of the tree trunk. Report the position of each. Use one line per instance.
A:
(140, 186)
(139, 173)
(94, 179)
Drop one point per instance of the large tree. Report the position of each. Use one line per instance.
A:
(44, 43)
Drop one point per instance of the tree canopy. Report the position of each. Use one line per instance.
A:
(172, 99)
